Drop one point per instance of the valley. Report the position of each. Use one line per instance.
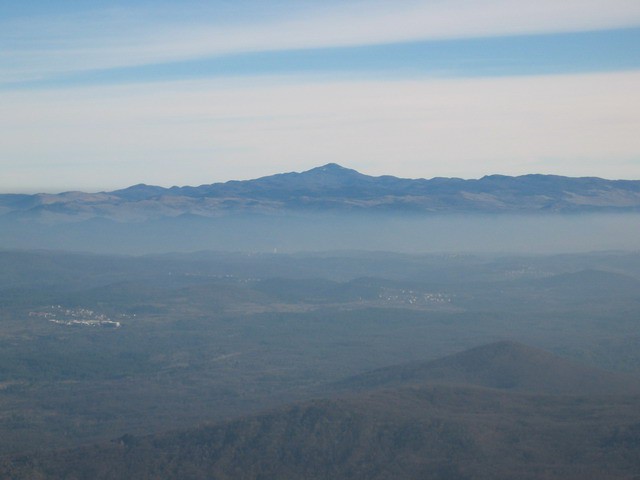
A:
(213, 337)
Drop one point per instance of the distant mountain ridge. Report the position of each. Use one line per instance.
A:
(333, 188)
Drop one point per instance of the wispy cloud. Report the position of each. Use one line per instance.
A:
(198, 132)
(40, 47)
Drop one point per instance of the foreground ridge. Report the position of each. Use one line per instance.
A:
(414, 431)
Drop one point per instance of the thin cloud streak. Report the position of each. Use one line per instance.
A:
(200, 132)
(40, 48)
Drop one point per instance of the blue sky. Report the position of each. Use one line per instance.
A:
(99, 95)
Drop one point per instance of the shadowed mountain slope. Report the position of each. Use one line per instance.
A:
(503, 365)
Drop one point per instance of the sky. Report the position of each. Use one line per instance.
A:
(99, 95)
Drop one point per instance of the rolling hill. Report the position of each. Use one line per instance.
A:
(504, 365)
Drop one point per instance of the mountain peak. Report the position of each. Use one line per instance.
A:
(332, 169)
(315, 182)
(139, 191)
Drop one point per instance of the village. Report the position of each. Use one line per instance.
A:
(75, 317)
(411, 297)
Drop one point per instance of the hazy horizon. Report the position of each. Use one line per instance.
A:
(169, 185)
(199, 92)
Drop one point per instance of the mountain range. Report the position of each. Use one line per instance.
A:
(332, 188)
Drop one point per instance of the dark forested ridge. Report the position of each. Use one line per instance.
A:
(421, 431)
